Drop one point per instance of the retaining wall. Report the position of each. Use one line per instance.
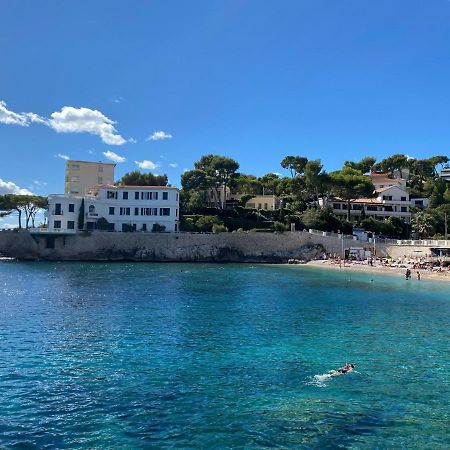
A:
(226, 247)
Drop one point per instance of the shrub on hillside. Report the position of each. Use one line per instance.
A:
(157, 228)
(278, 226)
(219, 228)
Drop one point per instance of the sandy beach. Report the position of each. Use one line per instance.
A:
(379, 269)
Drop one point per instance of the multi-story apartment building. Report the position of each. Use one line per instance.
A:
(83, 176)
(139, 207)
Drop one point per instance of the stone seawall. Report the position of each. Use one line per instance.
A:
(189, 247)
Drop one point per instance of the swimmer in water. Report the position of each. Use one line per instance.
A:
(342, 371)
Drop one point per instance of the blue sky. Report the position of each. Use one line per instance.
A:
(253, 80)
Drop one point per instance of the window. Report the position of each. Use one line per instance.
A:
(259, 205)
(75, 167)
(100, 180)
(71, 207)
(144, 227)
(74, 191)
(336, 206)
(56, 224)
(165, 196)
(70, 225)
(111, 210)
(124, 211)
(136, 195)
(419, 202)
(100, 168)
(155, 196)
(372, 208)
(57, 211)
(164, 211)
(404, 209)
(155, 211)
(388, 208)
(111, 227)
(265, 206)
(111, 194)
(136, 211)
(75, 179)
(387, 197)
(176, 213)
(177, 197)
(125, 195)
(403, 199)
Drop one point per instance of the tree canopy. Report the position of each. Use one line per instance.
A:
(24, 205)
(136, 178)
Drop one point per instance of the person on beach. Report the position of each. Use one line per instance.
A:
(407, 274)
(418, 275)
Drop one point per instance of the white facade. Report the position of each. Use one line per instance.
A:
(445, 174)
(139, 207)
(391, 201)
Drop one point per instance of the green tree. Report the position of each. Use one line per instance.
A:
(136, 178)
(364, 166)
(325, 220)
(270, 183)
(446, 196)
(315, 179)
(423, 224)
(102, 224)
(398, 162)
(24, 205)
(81, 215)
(247, 184)
(205, 223)
(349, 184)
(295, 164)
(220, 172)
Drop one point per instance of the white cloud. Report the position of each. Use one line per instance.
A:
(85, 120)
(22, 119)
(8, 187)
(146, 165)
(173, 165)
(68, 120)
(114, 157)
(159, 136)
(60, 155)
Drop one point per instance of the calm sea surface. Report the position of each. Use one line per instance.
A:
(209, 356)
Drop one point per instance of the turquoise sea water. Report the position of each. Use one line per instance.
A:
(209, 356)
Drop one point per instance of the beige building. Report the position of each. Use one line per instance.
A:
(83, 176)
(266, 202)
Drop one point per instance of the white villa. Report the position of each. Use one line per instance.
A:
(391, 200)
(124, 208)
